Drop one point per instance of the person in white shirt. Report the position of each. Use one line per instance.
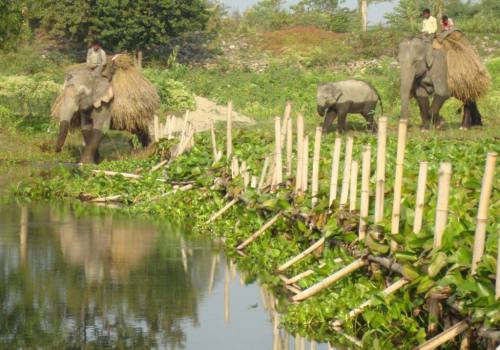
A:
(96, 58)
(429, 29)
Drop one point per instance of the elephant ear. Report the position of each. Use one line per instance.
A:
(103, 93)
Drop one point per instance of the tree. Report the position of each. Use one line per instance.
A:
(11, 23)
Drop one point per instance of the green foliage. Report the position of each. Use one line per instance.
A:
(12, 23)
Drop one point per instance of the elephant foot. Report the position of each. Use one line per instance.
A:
(91, 151)
(425, 127)
(439, 124)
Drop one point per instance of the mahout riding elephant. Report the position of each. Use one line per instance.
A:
(339, 98)
(455, 71)
(120, 100)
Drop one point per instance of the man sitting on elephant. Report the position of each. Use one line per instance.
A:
(96, 58)
(429, 29)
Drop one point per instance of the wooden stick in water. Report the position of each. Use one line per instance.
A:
(302, 255)
(278, 160)
(353, 190)
(365, 193)
(229, 136)
(300, 276)
(305, 164)
(347, 172)
(334, 178)
(260, 231)
(482, 212)
(264, 173)
(381, 146)
(300, 152)
(445, 336)
(420, 200)
(398, 180)
(289, 147)
(223, 210)
(315, 170)
(347, 270)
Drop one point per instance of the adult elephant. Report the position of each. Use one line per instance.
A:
(455, 71)
(123, 100)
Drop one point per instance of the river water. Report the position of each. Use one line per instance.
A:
(73, 280)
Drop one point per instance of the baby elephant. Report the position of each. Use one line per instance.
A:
(347, 96)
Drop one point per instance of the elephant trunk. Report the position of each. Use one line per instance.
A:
(322, 110)
(63, 132)
(407, 78)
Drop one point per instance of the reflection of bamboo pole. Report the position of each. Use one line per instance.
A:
(445, 336)
(420, 200)
(302, 255)
(305, 164)
(346, 176)
(278, 160)
(232, 266)
(314, 345)
(365, 193)
(298, 277)
(223, 210)
(398, 180)
(315, 169)
(379, 193)
(184, 254)
(229, 137)
(300, 152)
(260, 231)
(264, 173)
(353, 190)
(226, 293)
(289, 147)
(334, 177)
(276, 332)
(23, 234)
(212, 274)
(482, 212)
(309, 292)
(263, 298)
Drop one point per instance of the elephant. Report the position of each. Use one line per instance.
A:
(87, 101)
(423, 79)
(347, 96)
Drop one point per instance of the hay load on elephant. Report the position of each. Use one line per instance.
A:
(135, 99)
(468, 78)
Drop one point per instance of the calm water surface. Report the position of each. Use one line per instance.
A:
(70, 280)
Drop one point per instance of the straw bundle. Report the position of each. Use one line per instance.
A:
(468, 78)
(135, 98)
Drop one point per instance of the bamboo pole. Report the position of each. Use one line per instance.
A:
(305, 164)
(379, 192)
(497, 283)
(235, 169)
(260, 231)
(442, 203)
(156, 127)
(299, 276)
(445, 336)
(289, 147)
(253, 182)
(353, 191)
(365, 193)
(482, 212)
(309, 292)
(398, 180)
(302, 255)
(315, 170)
(263, 173)
(246, 179)
(278, 160)
(229, 137)
(286, 120)
(334, 177)
(223, 210)
(159, 165)
(300, 152)
(213, 138)
(420, 200)
(346, 176)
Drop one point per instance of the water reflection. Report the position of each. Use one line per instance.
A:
(68, 280)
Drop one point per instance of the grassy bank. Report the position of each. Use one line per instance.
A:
(398, 321)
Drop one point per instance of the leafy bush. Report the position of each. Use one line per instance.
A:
(174, 95)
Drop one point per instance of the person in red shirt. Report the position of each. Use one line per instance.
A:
(447, 23)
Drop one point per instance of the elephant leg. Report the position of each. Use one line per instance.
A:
(437, 103)
(424, 107)
(329, 118)
(86, 126)
(368, 114)
(144, 137)
(90, 150)
(475, 114)
(466, 120)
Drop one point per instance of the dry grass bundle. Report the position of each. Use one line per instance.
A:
(468, 78)
(135, 98)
